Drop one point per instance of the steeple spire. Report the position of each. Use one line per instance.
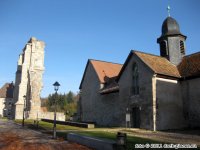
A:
(168, 10)
(172, 41)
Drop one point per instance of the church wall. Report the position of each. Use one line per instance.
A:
(108, 110)
(95, 107)
(89, 94)
(191, 96)
(169, 105)
(143, 100)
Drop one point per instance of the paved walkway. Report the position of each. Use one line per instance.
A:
(169, 137)
(14, 137)
(178, 137)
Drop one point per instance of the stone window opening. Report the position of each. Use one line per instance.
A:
(182, 47)
(163, 48)
(23, 58)
(135, 81)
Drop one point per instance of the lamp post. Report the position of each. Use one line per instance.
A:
(56, 87)
(23, 110)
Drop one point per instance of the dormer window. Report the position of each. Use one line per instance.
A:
(182, 47)
(135, 86)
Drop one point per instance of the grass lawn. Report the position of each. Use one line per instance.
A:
(62, 131)
(131, 140)
(49, 126)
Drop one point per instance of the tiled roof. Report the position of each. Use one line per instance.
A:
(158, 64)
(190, 65)
(105, 69)
(110, 73)
(7, 91)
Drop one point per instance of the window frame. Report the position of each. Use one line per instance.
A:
(163, 49)
(135, 80)
(182, 47)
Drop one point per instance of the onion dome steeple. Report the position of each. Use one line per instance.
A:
(170, 27)
(172, 41)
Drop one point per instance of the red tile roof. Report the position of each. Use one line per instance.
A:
(105, 69)
(158, 64)
(110, 73)
(190, 65)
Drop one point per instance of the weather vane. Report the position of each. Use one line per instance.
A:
(168, 9)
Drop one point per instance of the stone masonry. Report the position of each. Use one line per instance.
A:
(28, 81)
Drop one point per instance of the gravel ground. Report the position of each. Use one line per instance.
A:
(14, 137)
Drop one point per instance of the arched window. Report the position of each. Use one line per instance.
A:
(182, 47)
(163, 49)
(135, 86)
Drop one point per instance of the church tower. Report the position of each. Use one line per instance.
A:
(28, 83)
(172, 41)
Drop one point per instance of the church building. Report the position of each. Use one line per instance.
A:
(147, 91)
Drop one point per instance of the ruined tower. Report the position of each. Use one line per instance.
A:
(28, 82)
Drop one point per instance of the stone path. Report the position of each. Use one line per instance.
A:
(176, 137)
(169, 137)
(14, 137)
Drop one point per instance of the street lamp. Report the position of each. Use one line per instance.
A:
(56, 87)
(23, 110)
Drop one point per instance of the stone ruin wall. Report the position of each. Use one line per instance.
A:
(29, 82)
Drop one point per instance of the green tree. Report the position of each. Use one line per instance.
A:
(66, 103)
(70, 97)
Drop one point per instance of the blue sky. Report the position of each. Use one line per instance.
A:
(76, 30)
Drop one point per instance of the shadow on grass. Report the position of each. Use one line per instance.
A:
(62, 132)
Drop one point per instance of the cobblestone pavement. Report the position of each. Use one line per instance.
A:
(14, 137)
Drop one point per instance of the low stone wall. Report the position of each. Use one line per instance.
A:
(95, 143)
(50, 115)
